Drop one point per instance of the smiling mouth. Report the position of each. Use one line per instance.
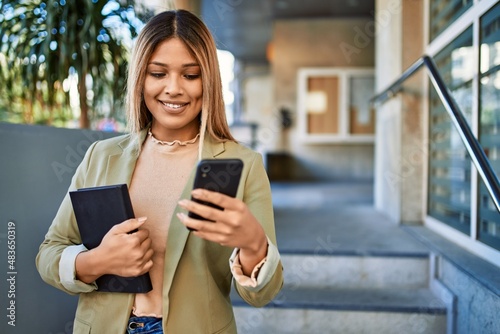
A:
(174, 105)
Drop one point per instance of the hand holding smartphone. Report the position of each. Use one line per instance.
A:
(220, 175)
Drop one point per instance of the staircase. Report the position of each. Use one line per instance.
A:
(347, 269)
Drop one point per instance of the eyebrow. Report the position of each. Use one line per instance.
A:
(165, 65)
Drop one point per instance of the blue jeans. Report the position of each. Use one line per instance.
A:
(144, 325)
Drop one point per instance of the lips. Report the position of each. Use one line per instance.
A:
(174, 106)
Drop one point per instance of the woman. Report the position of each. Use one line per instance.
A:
(176, 117)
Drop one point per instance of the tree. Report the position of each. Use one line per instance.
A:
(48, 46)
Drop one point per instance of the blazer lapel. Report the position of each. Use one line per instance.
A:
(212, 148)
(176, 241)
(178, 233)
(121, 164)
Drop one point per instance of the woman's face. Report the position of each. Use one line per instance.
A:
(173, 91)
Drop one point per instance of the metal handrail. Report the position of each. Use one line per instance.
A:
(471, 143)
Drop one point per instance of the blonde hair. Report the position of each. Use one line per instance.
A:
(192, 31)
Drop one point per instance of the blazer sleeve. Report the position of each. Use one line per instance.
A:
(63, 233)
(257, 196)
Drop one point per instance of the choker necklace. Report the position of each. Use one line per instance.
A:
(171, 143)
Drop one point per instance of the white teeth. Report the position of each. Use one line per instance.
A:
(174, 106)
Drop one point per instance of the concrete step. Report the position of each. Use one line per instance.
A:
(313, 310)
(348, 268)
(356, 271)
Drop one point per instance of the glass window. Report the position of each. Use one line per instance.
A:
(449, 163)
(445, 12)
(489, 121)
(361, 113)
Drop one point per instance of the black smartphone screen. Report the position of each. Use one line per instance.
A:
(220, 175)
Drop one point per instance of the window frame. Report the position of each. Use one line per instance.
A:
(344, 75)
(471, 17)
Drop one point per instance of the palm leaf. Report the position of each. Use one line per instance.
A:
(43, 42)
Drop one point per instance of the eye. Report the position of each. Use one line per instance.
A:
(157, 74)
(191, 76)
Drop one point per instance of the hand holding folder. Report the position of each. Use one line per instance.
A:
(97, 210)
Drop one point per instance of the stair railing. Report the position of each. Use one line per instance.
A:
(471, 143)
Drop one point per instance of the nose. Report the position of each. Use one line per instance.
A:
(173, 85)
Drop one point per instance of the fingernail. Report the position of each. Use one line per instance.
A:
(181, 216)
(196, 192)
(183, 202)
(142, 219)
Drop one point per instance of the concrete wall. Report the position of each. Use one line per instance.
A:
(400, 153)
(36, 167)
(476, 306)
(317, 43)
(388, 129)
(414, 147)
(469, 285)
(258, 106)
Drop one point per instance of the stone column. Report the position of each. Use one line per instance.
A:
(400, 149)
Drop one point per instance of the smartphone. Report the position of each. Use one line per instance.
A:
(221, 175)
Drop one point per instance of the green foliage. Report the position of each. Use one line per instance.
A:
(61, 58)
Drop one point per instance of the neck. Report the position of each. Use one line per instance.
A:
(166, 135)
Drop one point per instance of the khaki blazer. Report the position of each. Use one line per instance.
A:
(197, 277)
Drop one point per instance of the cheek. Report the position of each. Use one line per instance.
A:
(151, 87)
(197, 92)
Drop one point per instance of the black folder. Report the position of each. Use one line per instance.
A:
(97, 210)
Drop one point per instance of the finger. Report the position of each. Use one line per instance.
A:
(214, 236)
(149, 255)
(214, 197)
(212, 231)
(202, 210)
(147, 266)
(141, 234)
(146, 244)
(128, 225)
(192, 223)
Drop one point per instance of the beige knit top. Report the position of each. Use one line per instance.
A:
(160, 175)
